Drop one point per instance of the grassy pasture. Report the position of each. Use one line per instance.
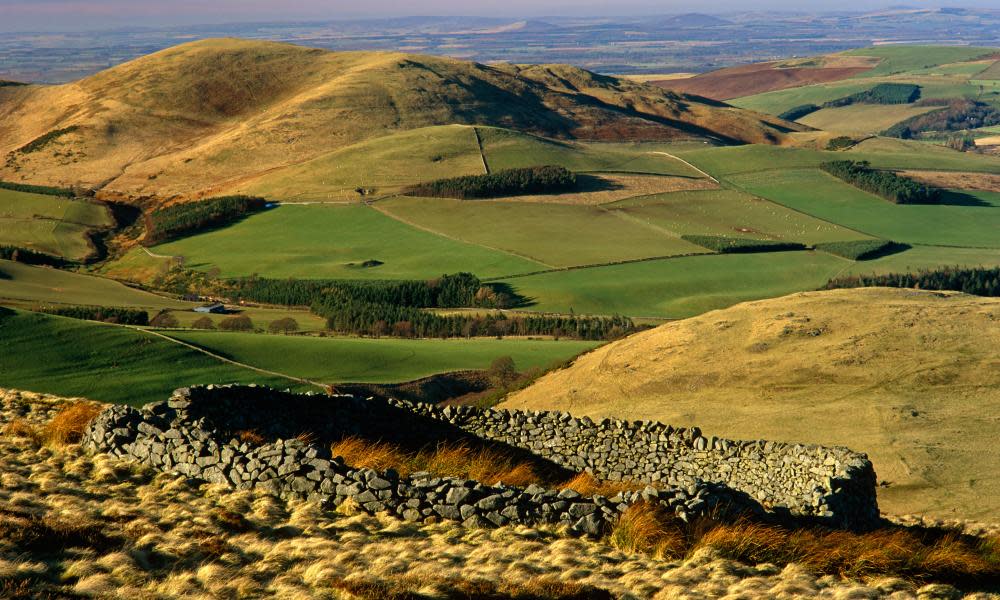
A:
(365, 360)
(29, 285)
(505, 149)
(50, 224)
(862, 118)
(322, 241)
(819, 194)
(105, 362)
(884, 153)
(678, 287)
(383, 164)
(556, 235)
(731, 213)
(903, 58)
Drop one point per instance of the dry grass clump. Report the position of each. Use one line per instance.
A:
(461, 460)
(251, 436)
(68, 425)
(22, 428)
(445, 460)
(914, 554)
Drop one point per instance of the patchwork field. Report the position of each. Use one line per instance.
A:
(552, 234)
(506, 149)
(324, 241)
(678, 287)
(731, 213)
(862, 118)
(379, 166)
(50, 224)
(968, 218)
(366, 360)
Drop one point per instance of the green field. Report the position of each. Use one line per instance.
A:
(733, 214)
(321, 242)
(863, 118)
(105, 362)
(553, 234)
(678, 287)
(821, 195)
(43, 285)
(380, 165)
(883, 153)
(505, 149)
(366, 360)
(904, 58)
(50, 224)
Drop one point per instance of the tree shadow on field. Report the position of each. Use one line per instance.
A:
(594, 183)
(958, 198)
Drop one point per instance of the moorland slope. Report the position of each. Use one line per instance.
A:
(910, 377)
(210, 114)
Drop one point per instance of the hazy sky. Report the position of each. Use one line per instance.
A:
(69, 15)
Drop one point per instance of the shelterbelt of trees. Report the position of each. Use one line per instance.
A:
(546, 179)
(399, 308)
(977, 281)
(886, 184)
(178, 220)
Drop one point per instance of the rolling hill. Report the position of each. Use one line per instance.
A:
(910, 377)
(204, 117)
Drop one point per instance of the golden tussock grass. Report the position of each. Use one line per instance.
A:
(444, 460)
(21, 428)
(68, 425)
(914, 554)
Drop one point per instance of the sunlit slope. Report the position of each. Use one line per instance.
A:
(205, 116)
(910, 377)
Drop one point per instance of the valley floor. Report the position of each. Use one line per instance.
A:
(124, 532)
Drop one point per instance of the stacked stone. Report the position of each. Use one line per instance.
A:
(193, 433)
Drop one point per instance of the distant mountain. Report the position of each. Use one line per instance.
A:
(206, 113)
(693, 20)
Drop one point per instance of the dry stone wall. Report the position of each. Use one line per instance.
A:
(195, 433)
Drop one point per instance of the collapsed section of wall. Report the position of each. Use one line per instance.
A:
(195, 433)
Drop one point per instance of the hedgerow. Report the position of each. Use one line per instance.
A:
(37, 189)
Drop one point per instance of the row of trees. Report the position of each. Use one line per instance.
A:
(885, 184)
(730, 245)
(957, 115)
(182, 219)
(105, 314)
(37, 189)
(380, 320)
(862, 249)
(978, 280)
(883, 93)
(447, 291)
(547, 179)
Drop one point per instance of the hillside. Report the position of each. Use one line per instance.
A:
(909, 377)
(213, 113)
